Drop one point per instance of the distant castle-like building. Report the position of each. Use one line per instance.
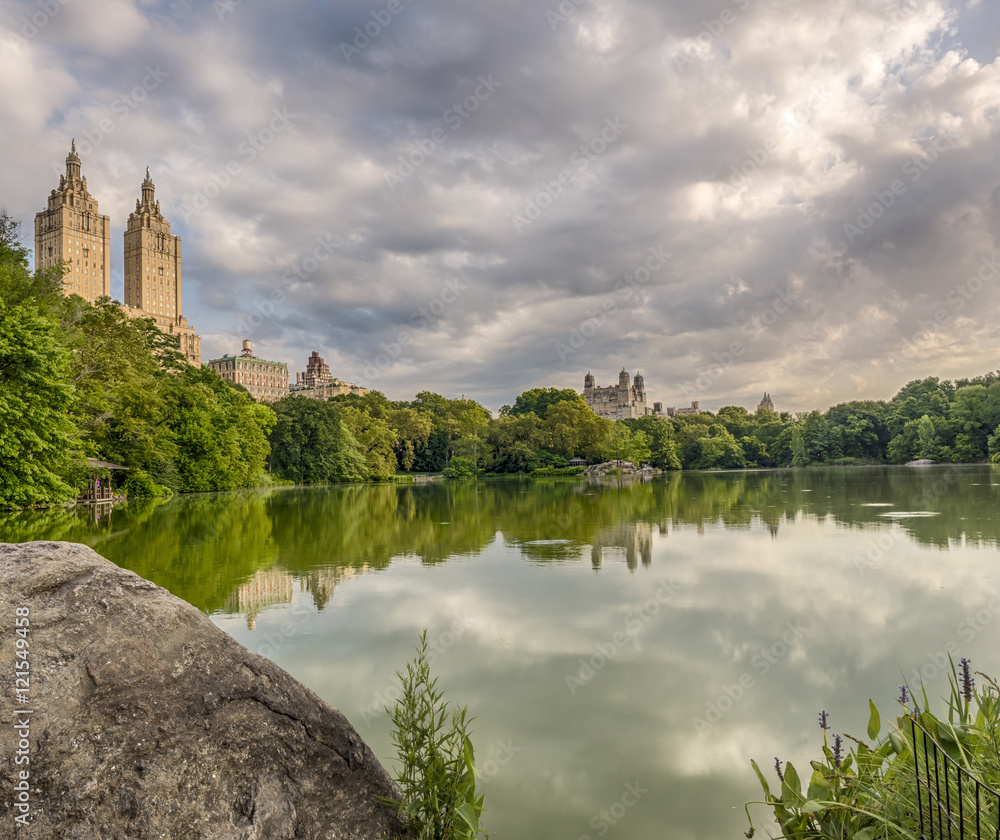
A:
(766, 403)
(623, 401)
(316, 381)
(71, 229)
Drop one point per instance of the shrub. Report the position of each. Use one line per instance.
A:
(438, 774)
(139, 485)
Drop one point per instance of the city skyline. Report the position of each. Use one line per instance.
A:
(797, 198)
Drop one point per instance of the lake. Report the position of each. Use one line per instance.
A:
(625, 646)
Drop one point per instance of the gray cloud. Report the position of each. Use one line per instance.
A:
(741, 138)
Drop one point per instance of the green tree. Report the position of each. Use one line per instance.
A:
(617, 443)
(719, 450)
(537, 400)
(413, 430)
(310, 443)
(928, 445)
(375, 437)
(40, 459)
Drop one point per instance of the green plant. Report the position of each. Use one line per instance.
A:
(139, 485)
(459, 467)
(870, 793)
(438, 773)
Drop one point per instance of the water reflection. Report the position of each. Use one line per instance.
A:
(204, 547)
(783, 592)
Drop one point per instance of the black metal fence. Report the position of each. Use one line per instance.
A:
(951, 802)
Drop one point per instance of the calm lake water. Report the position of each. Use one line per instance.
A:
(626, 647)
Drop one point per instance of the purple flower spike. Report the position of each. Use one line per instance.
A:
(968, 683)
(904, 695)
(822, 720)
(777, 767)
(838, 753)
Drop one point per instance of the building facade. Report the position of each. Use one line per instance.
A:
(317, 372)
(766, 403)
(71, 228)
(623, 401)
(325, 390)
(153, 271)
(266, 381)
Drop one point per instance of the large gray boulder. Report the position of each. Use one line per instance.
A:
(147, 721)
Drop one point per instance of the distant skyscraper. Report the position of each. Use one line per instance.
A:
(72, 229)
(766, 402)
(153, 271)
(317, 371)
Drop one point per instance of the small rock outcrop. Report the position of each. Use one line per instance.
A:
(620, 468)
(141, 719)
(921, 462)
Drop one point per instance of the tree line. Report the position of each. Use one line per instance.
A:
(81, 380)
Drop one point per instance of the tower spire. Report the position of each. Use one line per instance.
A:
(148, 189)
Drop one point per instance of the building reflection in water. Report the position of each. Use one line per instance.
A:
(276, 586)
(635, 537)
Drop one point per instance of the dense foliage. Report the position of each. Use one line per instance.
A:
(82, 380)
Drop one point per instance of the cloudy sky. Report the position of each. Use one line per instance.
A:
(798, 196)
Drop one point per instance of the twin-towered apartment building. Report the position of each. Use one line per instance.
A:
(71, 228)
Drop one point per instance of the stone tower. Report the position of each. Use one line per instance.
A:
(72, 229)
(640, 389)
(152, 258)
(153, 271)
(624, 391)
(766, 403)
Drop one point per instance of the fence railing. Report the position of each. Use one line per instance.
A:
(951, 802)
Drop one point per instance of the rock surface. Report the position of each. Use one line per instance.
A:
(620, 468)
(150, 722)
(921, 462)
